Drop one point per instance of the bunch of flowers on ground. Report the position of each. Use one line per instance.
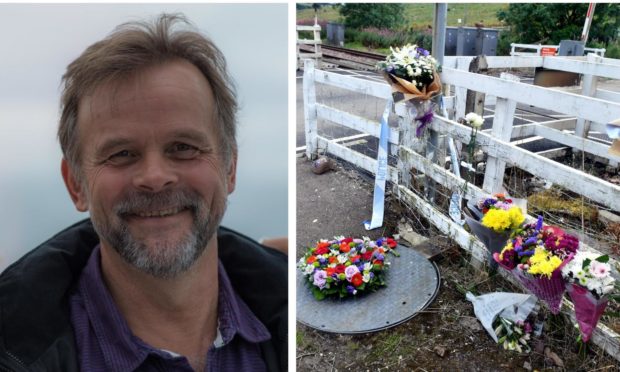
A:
(412, 64)
(346, 267)
(537, 249)
(499, 214)
(513, 335)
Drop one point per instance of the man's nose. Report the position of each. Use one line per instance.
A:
(155, 173)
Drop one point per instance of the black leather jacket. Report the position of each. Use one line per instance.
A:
(35, 326)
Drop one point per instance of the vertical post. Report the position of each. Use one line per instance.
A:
(405, 139)
(317, 44)
(588, 88)
(310, 117)
(502, 130)
(439, 46)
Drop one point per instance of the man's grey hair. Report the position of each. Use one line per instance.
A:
(132, 47)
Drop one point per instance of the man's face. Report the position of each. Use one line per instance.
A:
(152, 174)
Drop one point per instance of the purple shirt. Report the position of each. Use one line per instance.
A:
(105, 342)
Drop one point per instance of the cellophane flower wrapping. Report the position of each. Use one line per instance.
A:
(550, 290)
(588, 309)
(494, 236)
(412, 71)
(535, 255)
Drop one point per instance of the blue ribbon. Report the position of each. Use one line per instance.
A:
(381, 174)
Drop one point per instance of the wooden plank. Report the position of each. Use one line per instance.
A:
(371, 88)
(496, 61)
(308, 28)
(585, 184)
(578, 143)
(530, 129)
(589, 84)
(607, 95)
(502, 130)
(355, 158)
(443, 223)
(592, 109)
(354, 122)
(310, 120)
(308, 41)
(587, 67)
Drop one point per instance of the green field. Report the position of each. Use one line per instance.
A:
(419, 16)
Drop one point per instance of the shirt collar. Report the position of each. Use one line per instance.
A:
(125, 352)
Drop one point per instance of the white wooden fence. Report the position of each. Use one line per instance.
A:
(315, 41)
(496, 143)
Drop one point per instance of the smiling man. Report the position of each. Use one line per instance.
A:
(151, 282)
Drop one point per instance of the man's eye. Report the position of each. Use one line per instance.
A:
(121, 157)
(183, 151)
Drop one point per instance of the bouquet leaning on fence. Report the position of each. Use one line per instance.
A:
(492, 220)
(346, 267)
(536, 255)
(588, 281)
(413, 76)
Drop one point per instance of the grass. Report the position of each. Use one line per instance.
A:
(419, 16)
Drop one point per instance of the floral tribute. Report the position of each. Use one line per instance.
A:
(500, 214)
(512, 335)
(346, 267)
(536, 255)
(589, 280)
(413, 72)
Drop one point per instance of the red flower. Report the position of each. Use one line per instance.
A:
(377, 262)
(346, 240)
(330, 271)
(391, 242)
(356, 279)
(332, 259)
(344, 248)
(367, 256)
(311, 259)
(340, 269)
(355, 258)
(321, 250)
(323, 245)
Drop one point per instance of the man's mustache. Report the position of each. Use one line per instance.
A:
(137, 202)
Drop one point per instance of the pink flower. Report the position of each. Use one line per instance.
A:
(599, 269)
(350, 271)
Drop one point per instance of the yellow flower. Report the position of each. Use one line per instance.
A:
(516, 217)
(497, 220)
(543, 262)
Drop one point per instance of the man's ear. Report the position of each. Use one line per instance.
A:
(231, 175)
(76, 191)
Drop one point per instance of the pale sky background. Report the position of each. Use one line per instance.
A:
(37, 42)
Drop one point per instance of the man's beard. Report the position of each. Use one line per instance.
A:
(163, 259)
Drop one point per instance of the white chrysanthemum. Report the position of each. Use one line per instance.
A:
(474, 120)
(342, 258)
(309, 269)
(409, 71)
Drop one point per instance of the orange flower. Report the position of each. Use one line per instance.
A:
(330, 271)
(311, 259)
(332, 259)
(344, 248)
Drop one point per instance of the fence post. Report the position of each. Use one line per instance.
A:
(310, 117)
(502, 130)
(588, 88)
(405, 139)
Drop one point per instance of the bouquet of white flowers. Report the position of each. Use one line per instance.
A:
(589, 280)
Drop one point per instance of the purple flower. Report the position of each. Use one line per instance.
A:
(322, 261)
(379, 242)
(350, 271)
(380, 257)
(351, 290)
(539, 223)
(320, 277)
(525, 253)
(423, 52)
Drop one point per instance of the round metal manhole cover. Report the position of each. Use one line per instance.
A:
(412, 284)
